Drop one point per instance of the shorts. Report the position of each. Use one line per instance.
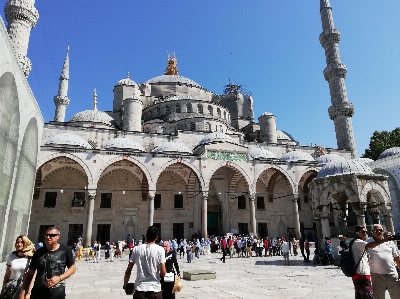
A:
(285, 255)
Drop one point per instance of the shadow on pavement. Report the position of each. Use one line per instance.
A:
(293, 263)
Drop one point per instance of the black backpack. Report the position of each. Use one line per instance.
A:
(347, 263)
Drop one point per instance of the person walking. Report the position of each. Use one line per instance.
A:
(107, 248)
(285, 251)
(96, 248)
(382, 252)
(171, 265)
(307, 250)
(49, 263)
(17, 264)
(150, 261)
(223, 248)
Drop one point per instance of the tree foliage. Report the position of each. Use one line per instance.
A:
(380, 141)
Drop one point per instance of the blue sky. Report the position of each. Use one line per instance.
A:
(270, 46)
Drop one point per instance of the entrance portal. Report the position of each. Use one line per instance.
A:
(212, 223)
(178, 231)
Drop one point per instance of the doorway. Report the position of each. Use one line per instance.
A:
(103, 233)
(212, 223)
(178, 231)
(74, 232)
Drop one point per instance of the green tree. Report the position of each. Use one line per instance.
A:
(381, 141)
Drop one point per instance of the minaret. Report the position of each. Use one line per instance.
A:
(341, 110)
(61, 100)
(21, 16)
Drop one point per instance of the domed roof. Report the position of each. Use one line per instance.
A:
(172, 147)
(364, 160)
(67, 139)
(267, 114)
(297, 156)
(260, 153)
(93, 116)
(343, 167)
(324, 159)
(390, 152)
(123, 144)
(283, 135)
(126, 81)
(216, 137)
(172, 79)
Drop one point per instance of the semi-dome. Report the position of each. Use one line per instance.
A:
(176, 79)
(93, 116)
(123, 144)
(295, 156)
(260, 153)
(324, 159)
(172, 147)
(67, 139)
(216, 137)
(390, 152)
(283, 135)
(344, 167)
(364, 160)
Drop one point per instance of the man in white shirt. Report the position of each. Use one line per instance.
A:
(150, 261)
(383, 254)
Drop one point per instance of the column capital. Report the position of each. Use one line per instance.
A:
(92, 194)
(252, 196)
(204, 195)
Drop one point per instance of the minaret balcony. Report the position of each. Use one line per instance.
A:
(337, 70)
(343, 110)
(329, 37)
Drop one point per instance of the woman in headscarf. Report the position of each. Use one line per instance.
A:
(170, 263)
(17, 264)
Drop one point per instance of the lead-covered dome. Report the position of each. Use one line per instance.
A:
(216, 137)
(175, 79)
(324, 159)
(364, 160)
(172, 147)
(123, 144)
(283, 135)
(344, 167)
(260, 153)
(67, 139)
(93, 116)
(297, 156)
(394, 151)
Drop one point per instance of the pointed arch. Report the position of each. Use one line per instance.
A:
(280, 170)
(234, 166)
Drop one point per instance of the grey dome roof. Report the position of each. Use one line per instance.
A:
(260, 153)
(297, 156)
(216, 137)
(283, 135)
(93, 116)
(364, 160)
(390, 152)
(172, 147)
(172, 79)
(123, 144)
(343, 167)
(126, 81)
(324, 159)
(67, 139)
(267, 114)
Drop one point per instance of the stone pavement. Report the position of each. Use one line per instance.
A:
(261, 277)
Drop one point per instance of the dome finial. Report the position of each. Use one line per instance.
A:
(94, 100)
(172, 67)
(128, 76)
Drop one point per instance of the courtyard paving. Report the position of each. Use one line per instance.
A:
(256, 277)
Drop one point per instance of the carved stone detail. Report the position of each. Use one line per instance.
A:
(343, 110)
(60, 100)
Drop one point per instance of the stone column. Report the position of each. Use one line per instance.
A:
(253, 222)
(150, 199)
(319, 229)
(89, 220)
(389, 223)
(296, 216)
(360, 212)
(204, 231)
(325, 228)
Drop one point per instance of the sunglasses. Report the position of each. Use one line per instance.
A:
(50, 235)
(378, 230)
(363, 232)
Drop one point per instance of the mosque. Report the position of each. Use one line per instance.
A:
(175, 155)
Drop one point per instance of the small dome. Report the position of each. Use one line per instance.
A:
(364, 160)
(343, 167)
(67, 139)
(324, 159)
(93, 116)
(172, 79)
(295, 156)
(390, 152)
(283, 135)
(126, 81)
(123, 144)
(172, 147)
(267, 114)
(260, 153)
(216, 137)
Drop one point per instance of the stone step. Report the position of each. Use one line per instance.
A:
(199, 275)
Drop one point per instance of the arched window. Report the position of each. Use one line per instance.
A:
(224, 114)
(207, 127)
(210, 110)
(219, 112)
(200, 108)
(189, 108)
(192, 126)
(166, 109)
(178, 108)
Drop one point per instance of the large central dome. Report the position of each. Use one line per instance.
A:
(175, 79)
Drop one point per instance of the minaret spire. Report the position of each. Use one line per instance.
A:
(95, 100)
(61, 99)
(21, 16)
(341, 110)
(172, 67)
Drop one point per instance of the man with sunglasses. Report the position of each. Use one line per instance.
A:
(383, 254)
(49, 263)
